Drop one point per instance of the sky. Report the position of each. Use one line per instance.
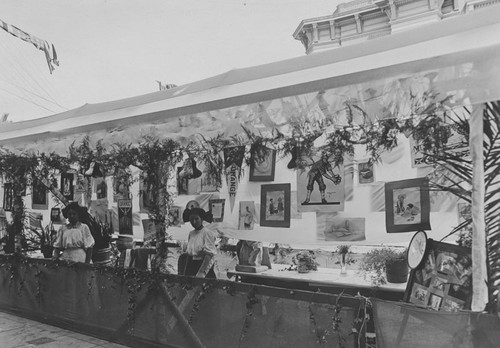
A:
(114, 49)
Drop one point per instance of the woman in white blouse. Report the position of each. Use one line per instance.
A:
(73, 239)
(200, 248)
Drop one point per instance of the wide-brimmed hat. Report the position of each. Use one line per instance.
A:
(76, 207)
(186, 215)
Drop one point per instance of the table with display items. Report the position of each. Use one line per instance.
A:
(327, 280)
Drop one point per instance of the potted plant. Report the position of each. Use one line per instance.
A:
(305, 261)
(385, 265)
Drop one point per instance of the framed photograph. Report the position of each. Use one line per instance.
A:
(366, 174)
(121, 189)
(445, 278)
(262, 164)
(8, 196)
(101, 188)
(407, 205)
(247, 215)
(216, 208)
(175, 216)
(146, 196)
(67, 185)
(275, 205)
(39, 195)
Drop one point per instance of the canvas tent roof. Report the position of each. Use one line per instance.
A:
(464, 51)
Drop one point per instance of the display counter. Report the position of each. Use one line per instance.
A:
(324, 280)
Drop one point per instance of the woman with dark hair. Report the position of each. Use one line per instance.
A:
(200, 250)
(74, 239)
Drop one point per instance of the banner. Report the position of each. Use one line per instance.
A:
(125, 216)
(47, 48)
(233, 160)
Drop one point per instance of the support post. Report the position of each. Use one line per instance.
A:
(479, 269)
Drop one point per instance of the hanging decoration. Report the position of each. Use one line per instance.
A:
(39, 195)
(407, 205)
(67, 185)
(321, 186)
(216, 208)
(125, 216)
(233, 160)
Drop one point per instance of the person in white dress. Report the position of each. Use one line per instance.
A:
(73, 241)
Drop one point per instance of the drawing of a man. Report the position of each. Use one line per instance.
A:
(320, 169)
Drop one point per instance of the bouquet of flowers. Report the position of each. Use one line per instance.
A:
(305, 261)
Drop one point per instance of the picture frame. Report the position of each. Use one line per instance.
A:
(39, 195)
(275, 205)
(366, 172)
(262, 164)
(67, 185)
(8, 196)
(125, 219)
(175, 216)
(216, 208)
(407, 205)
(443, 282)
(247, 215)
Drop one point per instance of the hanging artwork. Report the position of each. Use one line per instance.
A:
(407, 205)
(262, 164)
(366, 174)
(39, 195)
(233, 161)
(55, 215)
(275, 205)
(67, 185)
(146, 197)
(208, 183)
(175, 215)
(121, 188)
(125, 216)
(101, 188)
(331, 227)
(247, 217)
(8, 196)
(321, 186)
(216, 208)
(182, 182)
(443, 280)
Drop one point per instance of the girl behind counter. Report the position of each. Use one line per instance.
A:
(200, 248)
(73, 239)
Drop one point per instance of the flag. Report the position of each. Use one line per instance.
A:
(47, 48)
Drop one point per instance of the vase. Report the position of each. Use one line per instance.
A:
(343, 265)
(397, 271)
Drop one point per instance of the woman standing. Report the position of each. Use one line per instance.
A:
(200, 248)
(74, 239)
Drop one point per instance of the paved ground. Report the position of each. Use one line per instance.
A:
(17, 332)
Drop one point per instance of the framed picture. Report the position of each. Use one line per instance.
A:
(39, 195)
(444, 281)
(275, 205)
(321, 185)
(366, 174)
(67, 185)
(101, 188)
(247, 215)
(146, 196)
(8, 196)
(175, 216)
(125, 216)
(216, 208)
(331, 227)
(262, 164)
(407, 205)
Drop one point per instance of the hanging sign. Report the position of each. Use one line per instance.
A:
(233, 159)
(125, 216)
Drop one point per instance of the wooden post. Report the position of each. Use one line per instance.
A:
(479, 269)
